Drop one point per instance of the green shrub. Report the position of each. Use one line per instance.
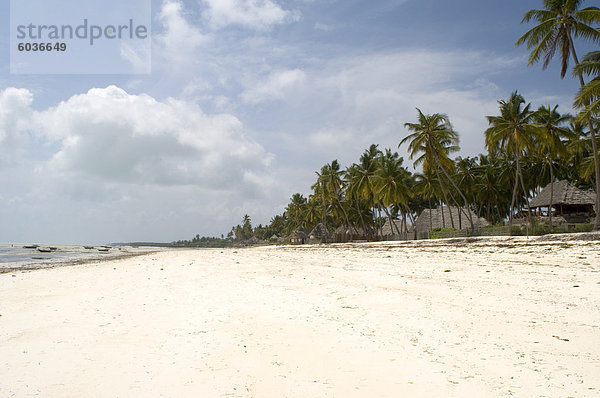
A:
(582, 228)
(516, 230)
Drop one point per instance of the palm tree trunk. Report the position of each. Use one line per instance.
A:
(392, 223)
(445, 200)
(345, 214)
(514, 198)
(437, 159)
(460, 210)
(324, 209)
(430, 218)
(524, 190)
(551, 194)
(362, 220)
(594, 144)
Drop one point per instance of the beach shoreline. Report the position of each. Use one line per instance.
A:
(482, 317)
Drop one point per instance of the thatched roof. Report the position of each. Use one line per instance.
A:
(388, 230)
(318, 232)
(422, 222)
(299, 233)
(348, 230)
(564, 194)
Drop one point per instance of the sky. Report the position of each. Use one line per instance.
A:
(244, 101)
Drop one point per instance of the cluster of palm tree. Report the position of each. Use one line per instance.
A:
(356, 197)
(560, 23)
(527, 149)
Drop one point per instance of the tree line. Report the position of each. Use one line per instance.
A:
(526, 149)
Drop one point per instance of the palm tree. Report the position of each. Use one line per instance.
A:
(335, 187)
(295, 210)
(490, 188)
(390, 184)
(361, 180)
(320, 188)
(426, 187)
(432, 140)
(465, 177)
(551, 145)
(512, 132)
(560, 22)
(588, 96)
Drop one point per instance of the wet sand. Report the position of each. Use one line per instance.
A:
(460, 318)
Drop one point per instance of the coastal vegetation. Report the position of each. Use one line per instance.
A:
(528, 146)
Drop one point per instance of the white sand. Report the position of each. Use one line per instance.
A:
(345, 321)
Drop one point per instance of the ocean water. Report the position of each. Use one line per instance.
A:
(17, 257)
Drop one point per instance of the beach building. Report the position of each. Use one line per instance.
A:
(318, 232)
(390, 230)
(442, 217)
(345, 233)
(299, 236)
(569, 202)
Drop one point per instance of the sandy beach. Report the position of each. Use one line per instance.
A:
(465, 318)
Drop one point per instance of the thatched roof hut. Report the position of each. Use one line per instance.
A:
(318, 232)
(299, 236)
(430, 219)
(392, 230)
(346, 233)
(574, 204)
(564, 194)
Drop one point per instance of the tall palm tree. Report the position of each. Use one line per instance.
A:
(465, 178)
(320, 188)
(432, 140)
(559, 23)
(512, 132)
(361, 180)
(588, 96)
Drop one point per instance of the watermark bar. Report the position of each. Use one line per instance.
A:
(80, 37)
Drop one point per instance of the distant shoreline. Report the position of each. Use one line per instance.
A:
(47, 263)
(499, 241)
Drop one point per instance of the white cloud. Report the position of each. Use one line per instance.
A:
(15, 113)
(275, 87)
(254, 14)
(179, 41)
(323, 27)
(110, 135)
(347, 103)
(107, 155)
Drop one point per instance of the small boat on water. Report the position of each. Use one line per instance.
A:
(103, 249)
(31, 246)
(88, 247)
(45, 250)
